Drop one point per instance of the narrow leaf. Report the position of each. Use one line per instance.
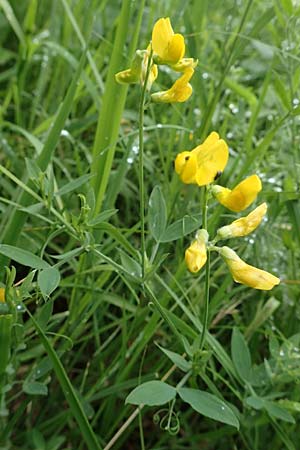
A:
(23, 257)
(157, 214)
(241, 355)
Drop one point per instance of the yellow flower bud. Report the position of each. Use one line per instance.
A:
(244, 225)
(179, 92)
(132, 75)
(203, 163)
(168, 47)
(241, 196)
(245, 274)
(138, 70)
(2, 295)
(195, 255)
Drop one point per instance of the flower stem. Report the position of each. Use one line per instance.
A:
(141, 162)
(206, 305)
(207, 272)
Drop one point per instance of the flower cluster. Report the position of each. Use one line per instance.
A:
(166, 48)
(202, 166)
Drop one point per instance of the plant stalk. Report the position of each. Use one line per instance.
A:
(207, 271)
(141, 162)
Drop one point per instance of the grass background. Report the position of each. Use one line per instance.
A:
(66, 128)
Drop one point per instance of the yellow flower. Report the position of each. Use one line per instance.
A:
(179, 92)
(244, 225)
(245, 274)
(2, 295)
(168, 47)
(241, 196)
(203, 163)
(195, 255)
(138, 69)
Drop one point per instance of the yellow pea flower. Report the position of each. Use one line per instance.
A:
(203, 163)
(137, 72)
(245, 274)
(168, 47)
(179, 92)
(2, 295)
(244, 225)
(241, 196)
(196, 255)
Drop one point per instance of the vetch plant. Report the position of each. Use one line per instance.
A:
(165, 48)
(201, 166)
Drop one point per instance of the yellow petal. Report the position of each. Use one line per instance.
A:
(176, 48)
(168, 48)
(186, 167)
(248, 275)
(201, 165)
(179, 92)
(162, 34)
(196, 255)
(244, 225)
(241, 196)
(2, 295)
(212, 159)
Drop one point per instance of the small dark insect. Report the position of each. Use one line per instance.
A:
(218, 174)
(187, 158)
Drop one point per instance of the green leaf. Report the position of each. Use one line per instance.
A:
(35, 388)
(102, 217)
(157, 214)
(255, 402)
(177, 359)
(181, 228)
(48, 280)
(73, 185)
(209, 406)
(151, 393)
(45, 313)
(33, 169)
(23, 257)
(130, 265)
(240, 355)
(278, 412)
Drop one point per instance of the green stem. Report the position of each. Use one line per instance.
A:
(204, 209)
(207, 272)
(141, 162)
(206, 305)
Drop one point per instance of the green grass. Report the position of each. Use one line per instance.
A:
(79, 331)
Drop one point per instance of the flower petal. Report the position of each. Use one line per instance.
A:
(179, 92)
(196, 254)
(241, 196)
(176, 48)
(244, 225)
(162, 34)
(248, 275)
